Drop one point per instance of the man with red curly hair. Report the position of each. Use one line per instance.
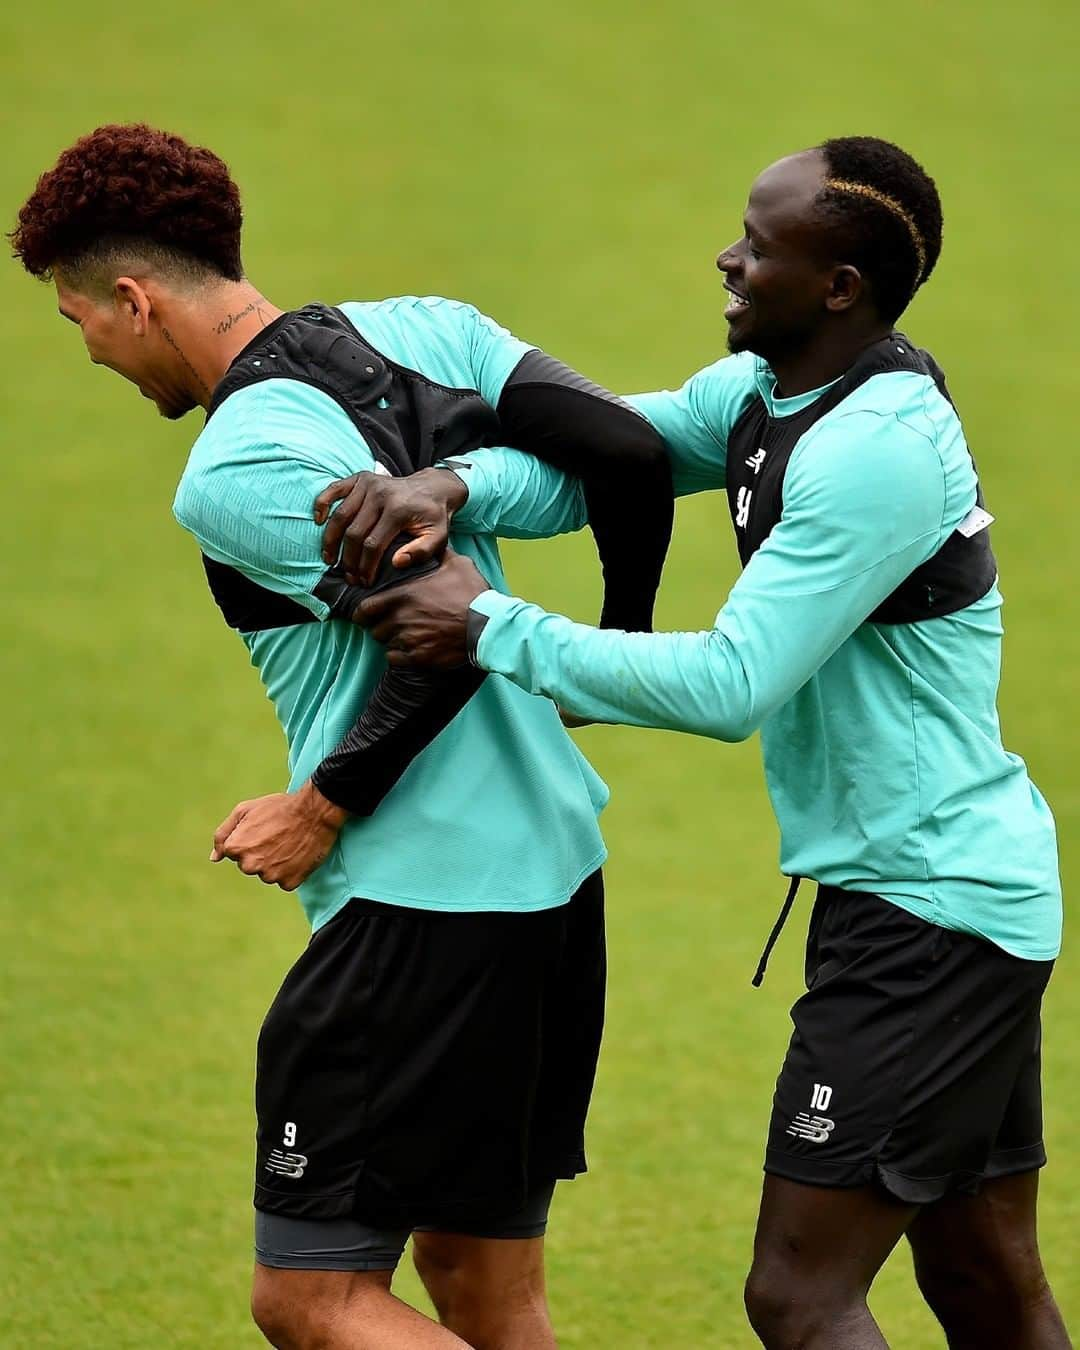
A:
(427, 1064)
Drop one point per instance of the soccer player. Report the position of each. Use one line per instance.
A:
(428, 1062)
(863, 641)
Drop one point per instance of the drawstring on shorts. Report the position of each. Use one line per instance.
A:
(793, 890)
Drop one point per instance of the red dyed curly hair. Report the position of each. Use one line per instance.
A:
(129, 186)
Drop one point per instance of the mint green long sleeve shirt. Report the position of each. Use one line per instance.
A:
(882, 746)
(500, 811)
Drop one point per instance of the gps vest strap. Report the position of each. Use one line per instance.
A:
(760, 447)
(407, 422)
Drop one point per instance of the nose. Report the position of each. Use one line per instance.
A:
(727, 259)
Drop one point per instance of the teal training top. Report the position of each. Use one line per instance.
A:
(499, 812)
(883, 753)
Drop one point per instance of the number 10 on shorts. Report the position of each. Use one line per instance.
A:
(820, 1097)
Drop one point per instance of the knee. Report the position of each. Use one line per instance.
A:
(786, 1309)
(296, 1315)
(273, 1313)
(774, 1307)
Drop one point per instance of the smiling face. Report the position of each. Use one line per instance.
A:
(122, 332)
(783, 281)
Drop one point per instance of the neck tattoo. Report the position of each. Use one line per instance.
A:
(230, 320)
(180, 353)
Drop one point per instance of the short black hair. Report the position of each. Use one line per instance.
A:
(891, 229)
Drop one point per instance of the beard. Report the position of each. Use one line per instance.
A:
(735, 345)
(770, 346)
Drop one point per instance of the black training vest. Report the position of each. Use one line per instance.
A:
(760, 446)
(407, 421)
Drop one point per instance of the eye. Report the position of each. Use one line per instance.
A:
(752, 250)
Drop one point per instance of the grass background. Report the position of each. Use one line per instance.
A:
(572, 169)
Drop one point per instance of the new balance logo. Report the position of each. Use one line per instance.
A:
(742, 507)
(814, 1129)
(286, 1164)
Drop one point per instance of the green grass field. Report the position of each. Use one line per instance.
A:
(572, 169)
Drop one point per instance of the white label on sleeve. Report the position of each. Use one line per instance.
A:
(977, 519)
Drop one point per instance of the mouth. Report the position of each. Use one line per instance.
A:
(738, 304)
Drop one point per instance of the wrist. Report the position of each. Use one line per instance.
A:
(320, 808)
(452, 489)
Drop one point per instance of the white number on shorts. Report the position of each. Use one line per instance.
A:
(290, 1133)
(821, 1097)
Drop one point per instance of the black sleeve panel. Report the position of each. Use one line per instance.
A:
(403, 716)
(405, 713)
(549, 410)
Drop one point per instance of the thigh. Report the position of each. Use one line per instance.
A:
(989, 1238)
(978, 1265)
(489, 1267)
(828, 1243)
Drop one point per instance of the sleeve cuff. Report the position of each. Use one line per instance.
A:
(487, 606)
(473, 514)
(464, 471)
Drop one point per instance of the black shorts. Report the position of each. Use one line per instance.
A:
(915, 1058)
(431, 1069)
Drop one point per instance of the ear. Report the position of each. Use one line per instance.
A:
(134, 305)
(845, 288)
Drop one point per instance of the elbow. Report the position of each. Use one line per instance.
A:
(645, 452)
(734, 730)
(722, 721)
(734, 711)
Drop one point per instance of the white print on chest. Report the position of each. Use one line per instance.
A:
(746, 495)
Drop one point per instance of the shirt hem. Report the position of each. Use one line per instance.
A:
(942, 919)
(382, 894)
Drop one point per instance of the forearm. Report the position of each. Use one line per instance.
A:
(405, 713)
(693, 682)
(515, 496)
(408, 709)
(785, 617)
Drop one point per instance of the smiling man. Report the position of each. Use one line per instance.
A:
(863, 641)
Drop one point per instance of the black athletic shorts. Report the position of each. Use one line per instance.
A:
(915, 1058)
(426, 1069)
